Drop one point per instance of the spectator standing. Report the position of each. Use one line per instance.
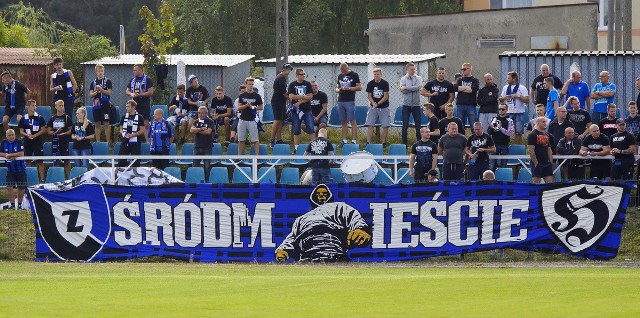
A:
(633, 120)
(348, 85)
(63, 85)
(160, 136)
(479, 145)
(221, 112)
(321, 146)
(558, 126)
(501, 129)
(319, 102)
(423, 157)
(279, 103)
(434, 126)
(300, 94)
(83, 133)
(60, 127)
(516, 98)
(378, 96)
(16, 169)
(608, 125)
(539, 93)
(249, 103)
(444, 122)
(570, 145)
(578, 116)
(410, 85)
(140, 89)
(553, 99)
(539, 146)
(597, 144)
(488, 100)
(32, 127)
(202, 129)
(576, 87)
(467, 87)
(603, 94)
(132, 124)
(15, 96)
(451, 146)
(540, 112)
(440, 92)
(100, 90)
(623, 148)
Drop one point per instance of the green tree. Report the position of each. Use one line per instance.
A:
(156, 41)
(41, 29)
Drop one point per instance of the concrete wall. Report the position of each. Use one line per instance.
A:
(456, 34)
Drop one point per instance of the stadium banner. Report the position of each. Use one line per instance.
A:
(333, 222)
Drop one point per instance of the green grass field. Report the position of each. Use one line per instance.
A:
(247, 290)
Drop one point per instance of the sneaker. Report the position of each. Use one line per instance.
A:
(13, 207)
(215, 136)
(226, 141)
(384, 145)
(354, 142)
(272, 143)
(344, 142)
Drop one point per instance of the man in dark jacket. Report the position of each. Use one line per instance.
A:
(488, 100)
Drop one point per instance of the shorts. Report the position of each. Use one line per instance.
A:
(382, 115)
(234, 124)
(33, 149)
(18, 110)
(63, 149)
(145, 111)
(542, 170)
(296, 123)
(103, 113)
(245, 128)
(17, 179)
(279, 111)
(518, 122)
(323, 120)
(346, 111)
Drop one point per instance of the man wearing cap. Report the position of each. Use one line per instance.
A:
(623, 148)
(197, 95)
(432, 176)
(140, 89)
(279, 103)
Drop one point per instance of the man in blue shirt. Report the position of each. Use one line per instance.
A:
(575, 86)
(161, 137)
(553, 99)
(603, 94)
(16, 169)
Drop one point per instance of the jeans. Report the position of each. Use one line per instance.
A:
(207, 163)
(468, 112)
(500, 150)
(597, 117)
(475, 171)
(84, 153)
(131, 149)
(320, 175)
(296, 122)
(416, 112)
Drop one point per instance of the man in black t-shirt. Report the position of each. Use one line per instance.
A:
(444, 122)
(347, 85)
(479, 145)
(132, 124)
(539, 94)
(279, 103)
(100, 90)
(321, 146)
(15, 95)
(178, 113)
(378, 96)
(440, 92)
(623, 147)
(597, 144)
(60, 127)
(32, 127)
(423, 158)
(197, 95)
(221, 113)
(202, 129)
(558, 125)
(140, 89)
(433, 124)
(539, 146)
(608, 125)
(319, 102)
(578, 116)
(300, 93)
(249, 103)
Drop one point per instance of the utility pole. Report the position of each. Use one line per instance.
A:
(282, 33)
(610, 18)
(618, 25)
(627, 45)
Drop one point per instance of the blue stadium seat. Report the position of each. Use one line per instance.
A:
(396, 150)
(267, 175)
(516, 149)
(90, 113)
(348, 149)
(45, 112)
(101, 148)
(216, 150)
(504, 174)
(524, 175)
(1, 111)
(3, 177)
(290, 175)
(557, 176)
(194, 175)
(32, 176)
(280, 150)
(299, 152)
(187, 150)
(55, 174)
(374, 149)
(47, 151)
(337, 175)
(381, 178)
(361, 115)
(238, 177)
(116, 148)
(267, 114)
(252, 152)
(145, 150)
(397, 118)
(334, 118)
(173, 151)
(174, 171)
(232, 150)
(164, 108)
(116, 121)
(77, 171)
(219, 175)
(404, 176)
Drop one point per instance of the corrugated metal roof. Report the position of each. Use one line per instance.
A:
(22, 56)
(173, 59)
(356, 58)
(567, 53)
